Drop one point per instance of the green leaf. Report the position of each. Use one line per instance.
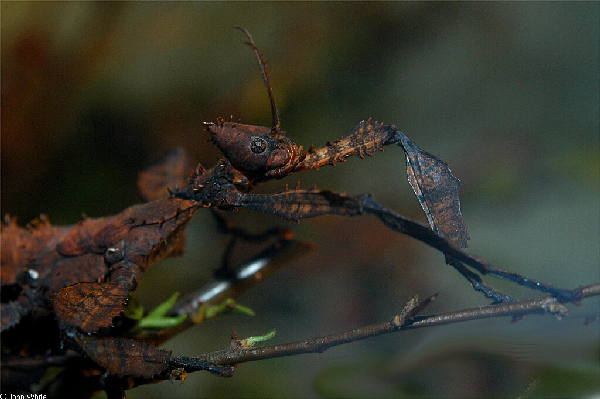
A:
(164, 307)
(161, 322)
(156, 318)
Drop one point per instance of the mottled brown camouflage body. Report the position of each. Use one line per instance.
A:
(74, 281)
(81, 261)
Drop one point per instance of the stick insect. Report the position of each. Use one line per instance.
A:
(73, 282)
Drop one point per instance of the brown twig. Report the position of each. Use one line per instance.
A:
(237, 353)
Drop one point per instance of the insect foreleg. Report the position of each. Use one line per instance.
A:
(299, 204)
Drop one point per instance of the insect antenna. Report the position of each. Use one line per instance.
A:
(263, 68)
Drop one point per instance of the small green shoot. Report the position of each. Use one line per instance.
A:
(250, 341)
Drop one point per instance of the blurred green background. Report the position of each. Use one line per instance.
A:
(506, 93)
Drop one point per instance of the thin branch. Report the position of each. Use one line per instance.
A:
(539, 305)
(237, 353)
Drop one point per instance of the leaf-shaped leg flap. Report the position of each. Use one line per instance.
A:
(91, 306)
(437, 190)
(123, 357)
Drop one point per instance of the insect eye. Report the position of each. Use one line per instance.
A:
(258, 145)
